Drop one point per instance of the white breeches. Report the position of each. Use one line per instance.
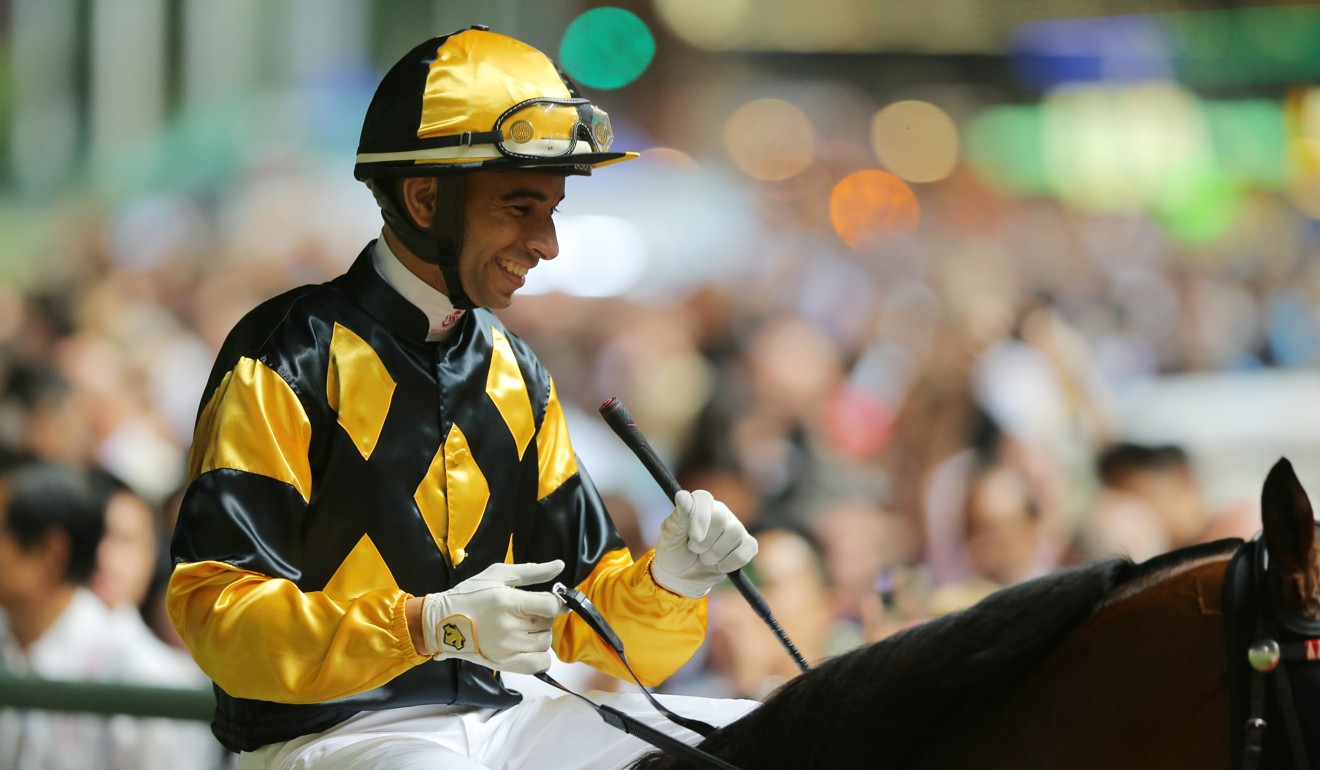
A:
(541, 732)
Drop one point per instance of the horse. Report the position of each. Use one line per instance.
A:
(1105, 665)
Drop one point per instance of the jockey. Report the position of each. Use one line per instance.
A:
(382, 485)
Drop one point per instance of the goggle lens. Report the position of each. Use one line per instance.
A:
(551, 128)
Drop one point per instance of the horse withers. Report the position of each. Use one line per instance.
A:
(1105, 665)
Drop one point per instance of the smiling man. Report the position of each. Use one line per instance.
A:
(380, 468)
(508, 225)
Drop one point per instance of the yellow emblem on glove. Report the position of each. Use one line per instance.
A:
(453, 637)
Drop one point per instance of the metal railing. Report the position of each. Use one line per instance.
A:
(24, 692)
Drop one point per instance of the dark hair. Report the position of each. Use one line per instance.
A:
(47, 496)
(1116, 461)
(13, 457)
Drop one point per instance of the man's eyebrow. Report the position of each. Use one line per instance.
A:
(514, 196)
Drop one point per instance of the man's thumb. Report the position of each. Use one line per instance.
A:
(529, 574)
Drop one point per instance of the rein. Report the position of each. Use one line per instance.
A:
(621, 421)
(578, 603)
(1271, 639)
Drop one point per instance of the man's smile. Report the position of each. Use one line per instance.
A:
(512, 267)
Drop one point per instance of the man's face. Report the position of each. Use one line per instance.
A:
(24, 572)
(126, 557)
(508, 228)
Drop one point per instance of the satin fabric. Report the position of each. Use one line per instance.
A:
(652, 622)
(258, 425)
(440, 103)
(464, 93)
(358, 388)
(312, 648)
(286, 515)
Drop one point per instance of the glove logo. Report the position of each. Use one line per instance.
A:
(453, 637)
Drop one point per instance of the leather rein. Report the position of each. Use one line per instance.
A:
(580, 605)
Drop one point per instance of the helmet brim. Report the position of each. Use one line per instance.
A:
(580, 164)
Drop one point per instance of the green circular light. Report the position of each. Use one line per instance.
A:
(606, 48)
(1199, 206)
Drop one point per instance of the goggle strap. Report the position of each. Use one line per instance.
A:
(542, 100)
(465, 139)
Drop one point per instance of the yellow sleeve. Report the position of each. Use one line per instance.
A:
(262, 638)
(660, 629)
(252, 630)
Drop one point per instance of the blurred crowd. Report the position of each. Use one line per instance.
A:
(907, 430)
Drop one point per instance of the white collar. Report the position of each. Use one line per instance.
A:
(440, 312)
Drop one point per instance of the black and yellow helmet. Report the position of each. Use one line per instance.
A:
(472, 100)
(476, 99)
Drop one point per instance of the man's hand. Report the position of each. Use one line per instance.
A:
(488, 621)
(700, 543)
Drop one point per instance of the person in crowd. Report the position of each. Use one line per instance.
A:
(129, 553)
(872, 557)
(53, 627)
(790, 573)
(380, 466)
(1154, 480)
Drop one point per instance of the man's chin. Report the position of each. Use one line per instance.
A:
(497, 302)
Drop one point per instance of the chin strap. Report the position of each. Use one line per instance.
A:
(443, 242)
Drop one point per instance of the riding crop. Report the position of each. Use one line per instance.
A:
(621, 421)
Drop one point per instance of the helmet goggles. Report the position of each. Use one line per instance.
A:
(552, 128)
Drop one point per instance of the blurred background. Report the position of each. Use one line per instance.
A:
(937, 296)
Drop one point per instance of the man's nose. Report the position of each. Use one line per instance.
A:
(542, 241)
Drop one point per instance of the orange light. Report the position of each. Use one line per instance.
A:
(867, 207)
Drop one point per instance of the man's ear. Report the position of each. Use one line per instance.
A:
(55, 550)
(419, 199)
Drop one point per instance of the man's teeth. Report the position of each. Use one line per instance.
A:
(514, 268)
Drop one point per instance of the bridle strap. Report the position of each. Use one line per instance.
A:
(1254, 742)
(1267, 633)
(1283, 694)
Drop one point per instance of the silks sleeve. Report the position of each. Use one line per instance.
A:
(233, 595)
(660, 630)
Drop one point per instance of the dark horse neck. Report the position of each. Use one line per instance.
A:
(1079, 669)
(1114, 697)
(1109, 665)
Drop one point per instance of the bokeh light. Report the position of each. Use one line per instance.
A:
(770, 139)
(1249, 139)
(915, 140)
(1199, 206)
(1302, 127)
(606, 48)
(1004, 149)
(711, 24)
(669, 157)
(868, 207)
(1118, 149)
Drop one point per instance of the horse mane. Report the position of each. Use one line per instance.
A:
(912, 700)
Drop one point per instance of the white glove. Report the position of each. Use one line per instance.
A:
(486, 620)
(700, 543)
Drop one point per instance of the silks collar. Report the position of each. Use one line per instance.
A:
(440, 313)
